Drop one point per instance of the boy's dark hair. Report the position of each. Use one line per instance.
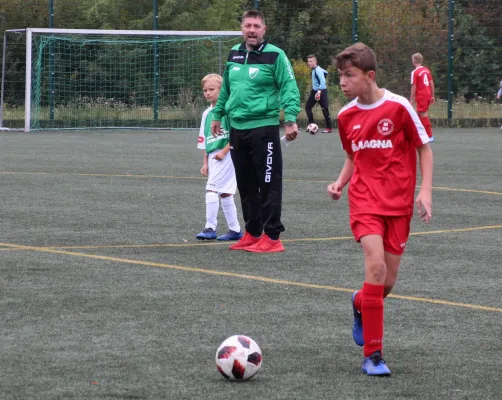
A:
(311, 56)
(358, 55)
(253, 14)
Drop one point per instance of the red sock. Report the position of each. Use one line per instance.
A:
(372, 313)
(426, 122)
(358, 299)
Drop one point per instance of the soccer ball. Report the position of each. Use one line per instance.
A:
(238, 358)
(312, 129)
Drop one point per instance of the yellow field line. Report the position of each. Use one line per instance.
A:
(106, 175)
(335, 238)
(476, 228)
(119, 246)
(137, 176)
(240, 276)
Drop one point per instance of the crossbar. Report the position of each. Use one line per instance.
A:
(132, 32)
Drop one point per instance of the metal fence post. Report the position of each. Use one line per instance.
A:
(354, 21)
(155, 62)
(450, 60)
(52, 78)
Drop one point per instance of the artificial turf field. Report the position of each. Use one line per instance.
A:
(106, 294)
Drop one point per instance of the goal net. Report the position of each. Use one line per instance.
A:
(109, 79)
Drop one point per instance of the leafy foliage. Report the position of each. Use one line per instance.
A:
(394, 28)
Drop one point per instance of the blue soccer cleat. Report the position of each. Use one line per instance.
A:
(357, 328)
(207, 234)
(374, 365)
(230, 235)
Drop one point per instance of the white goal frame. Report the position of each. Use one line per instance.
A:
(29, 44)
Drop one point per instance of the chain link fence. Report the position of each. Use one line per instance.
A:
(461, 41)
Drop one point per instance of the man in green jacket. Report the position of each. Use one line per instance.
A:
(258, 83)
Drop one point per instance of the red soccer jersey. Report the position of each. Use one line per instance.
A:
(422, 78)
(382, 139)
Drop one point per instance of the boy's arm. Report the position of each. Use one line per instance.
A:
(433, 98)
(322, 79)
(346, 172)
(222, 153)
(205, 166)
(413, 87)
(335, 189)
(288, 89)
(226, 149)
(424, 198)
(201, 140)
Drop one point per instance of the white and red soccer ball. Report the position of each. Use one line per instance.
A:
(312, 129)
(238, 358)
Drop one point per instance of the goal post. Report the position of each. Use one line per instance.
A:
(88, 78)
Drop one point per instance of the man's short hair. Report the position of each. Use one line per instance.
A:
(253, 14)
(212, 78)
(311, 56)
(417, 58)
(358, 55)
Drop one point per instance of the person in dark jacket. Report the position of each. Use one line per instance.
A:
(318, 94)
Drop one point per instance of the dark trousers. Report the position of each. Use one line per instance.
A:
(257, 157)
(323, 102)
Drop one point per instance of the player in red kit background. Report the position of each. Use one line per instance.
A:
(422, 92)
(381, 134)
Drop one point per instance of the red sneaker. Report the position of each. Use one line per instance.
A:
(327, 130)
(246, 241)
(266, 245)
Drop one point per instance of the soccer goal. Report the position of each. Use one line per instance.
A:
(76, 78)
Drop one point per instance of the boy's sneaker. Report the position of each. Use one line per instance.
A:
(432, 139)
(207, 234)
(327, 130)
(357, 328)
(374, 365)
(246, 241)
(230, 235)
(266, 245)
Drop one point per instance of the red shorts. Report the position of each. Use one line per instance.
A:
(423, 104)
(393, 229)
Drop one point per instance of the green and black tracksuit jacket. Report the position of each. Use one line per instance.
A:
(257, 84)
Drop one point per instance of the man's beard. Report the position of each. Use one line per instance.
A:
(254, 46)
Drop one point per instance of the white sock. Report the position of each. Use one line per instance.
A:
(212, 208)
(230, 211)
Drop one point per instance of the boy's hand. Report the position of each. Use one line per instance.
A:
(424, 205)
(220, 155)
(335, 190)
(215, 128)
(203, 170)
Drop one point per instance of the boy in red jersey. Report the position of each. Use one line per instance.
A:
(381, 134)
(422, 92)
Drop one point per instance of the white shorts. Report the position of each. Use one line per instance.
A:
(221, 174)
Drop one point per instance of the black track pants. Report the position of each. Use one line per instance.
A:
(257, 157)
(323, 102)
